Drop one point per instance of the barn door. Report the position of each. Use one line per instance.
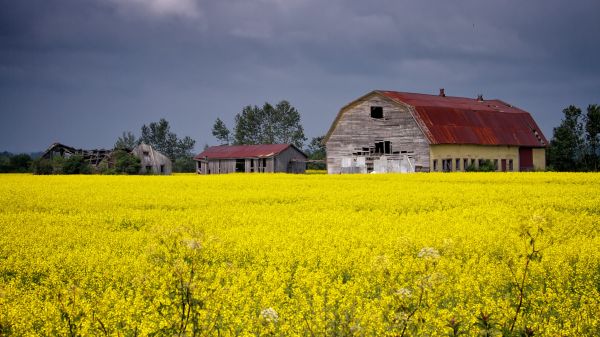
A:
(525, 159)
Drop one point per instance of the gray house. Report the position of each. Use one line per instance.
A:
(264, 158)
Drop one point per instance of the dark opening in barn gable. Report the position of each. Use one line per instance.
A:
(377, 112)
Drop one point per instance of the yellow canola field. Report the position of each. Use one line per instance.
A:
(300, 255)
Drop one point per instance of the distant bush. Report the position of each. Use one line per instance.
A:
(76, 165)
(125, 163)
(42, 166)
(184, 164)
(15, 163)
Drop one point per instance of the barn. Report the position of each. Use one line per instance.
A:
(266, 158)
(390, 131)
(152, 161)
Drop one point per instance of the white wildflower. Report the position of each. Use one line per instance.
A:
(269, 315)
(193, 244)
(403, 292)
(428, 253)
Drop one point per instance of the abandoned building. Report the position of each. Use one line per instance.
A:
(90, 157)
(264, 158)
(152, 161)
(389, 131)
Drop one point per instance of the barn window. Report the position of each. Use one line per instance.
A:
(435, 168)
(377, 112)
(146, 153)
(162, 168)
(510, 164)
(496, 164)
(465, 164)
(240, 165)
(457, 164)
(383, 147)
(447, 165)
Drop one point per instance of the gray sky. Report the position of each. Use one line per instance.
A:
(83, 71)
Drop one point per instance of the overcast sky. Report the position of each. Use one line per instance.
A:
(81, 72)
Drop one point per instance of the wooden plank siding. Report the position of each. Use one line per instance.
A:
(290, 161)
(355, 128)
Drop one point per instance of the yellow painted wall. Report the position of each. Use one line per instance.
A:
(539, 159)
(454, 151)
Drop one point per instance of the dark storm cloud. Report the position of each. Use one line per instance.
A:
(82, 71)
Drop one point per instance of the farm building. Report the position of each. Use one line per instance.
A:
(152, 161)
(389, 131)
(267, 158)
(91, 157)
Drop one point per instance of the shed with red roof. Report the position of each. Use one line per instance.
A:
(263, 158)
(390, 131)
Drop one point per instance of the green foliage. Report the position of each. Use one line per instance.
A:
(221, 132)
(184, 164)
(42, 166)
(279, 124)
(316, 151)
(575, 144)
(126, 163)
(159, 136)
(592, 129)
(15, 163)
(75, 165)
(126, 142)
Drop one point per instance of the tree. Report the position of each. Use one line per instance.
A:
(126, 162)
(75, 165)
(126, 141)
(220, 131)
(20, 163)
(316, 151)
(42, 166)
(592, 129)
(159, 136)
(279, 124)
(566, 147)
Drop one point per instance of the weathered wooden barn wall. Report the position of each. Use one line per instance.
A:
(290, 161)
(356, 129)
(216, 166)
(152, 161)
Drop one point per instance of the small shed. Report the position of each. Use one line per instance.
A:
(152, 161)
(263, 158)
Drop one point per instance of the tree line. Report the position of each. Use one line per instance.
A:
(269, 124)
(156, 134)
(575, 144)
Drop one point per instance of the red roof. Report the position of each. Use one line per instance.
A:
(460, 120)
(243, 151)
